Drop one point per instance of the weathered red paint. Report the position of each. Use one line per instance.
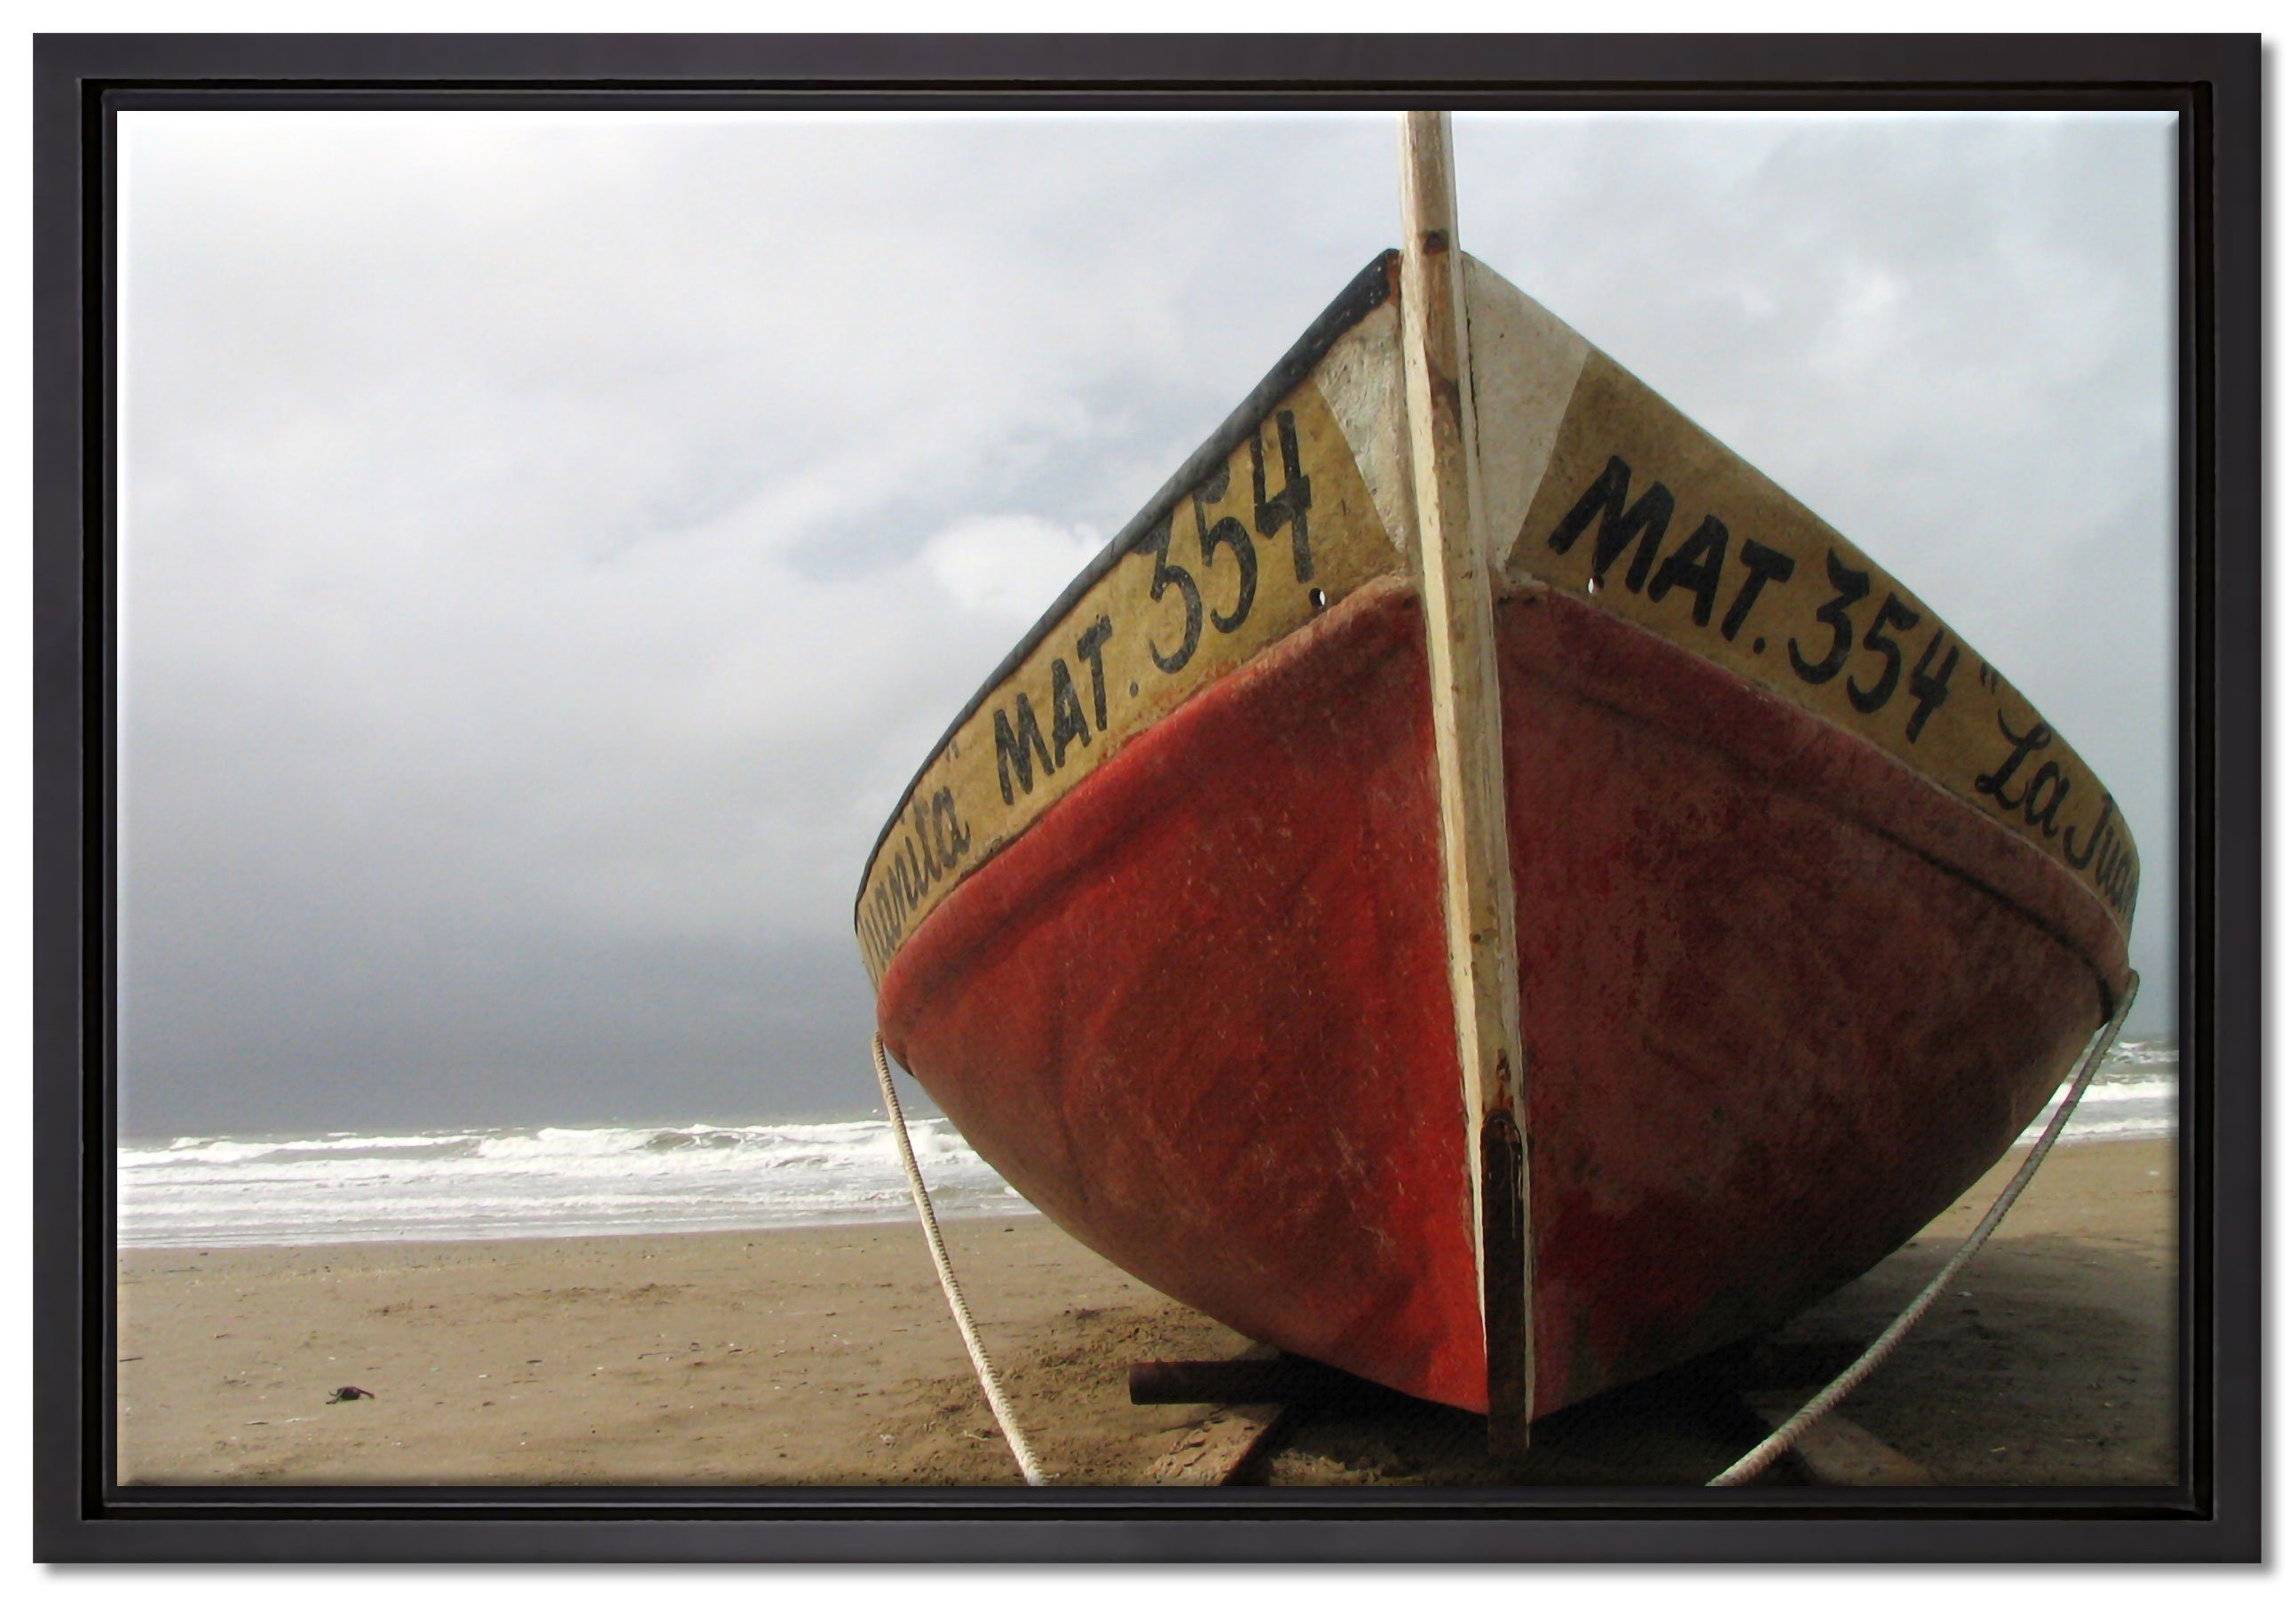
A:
(1783, 1001)
(1197, 1014)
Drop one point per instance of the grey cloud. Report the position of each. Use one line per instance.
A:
(545, 539)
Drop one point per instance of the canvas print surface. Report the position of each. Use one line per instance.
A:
(1476, 834)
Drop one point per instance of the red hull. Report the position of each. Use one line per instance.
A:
(1782, 1000)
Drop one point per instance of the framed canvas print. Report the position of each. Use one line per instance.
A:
(1060, 798)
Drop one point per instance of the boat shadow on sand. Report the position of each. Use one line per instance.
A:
(2050, 1361)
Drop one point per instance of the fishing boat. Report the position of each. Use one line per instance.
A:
(1477, 885)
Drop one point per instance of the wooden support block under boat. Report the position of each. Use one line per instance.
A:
(1836, 1451)
(1215, 1453)
(1281, 1380)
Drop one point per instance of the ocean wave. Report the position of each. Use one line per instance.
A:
(232, 1151)
(538, 1181)
(221, 1191)
(2120, 1103)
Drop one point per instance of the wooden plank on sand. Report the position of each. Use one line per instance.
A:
(1839, 1453)
(1210, 1455)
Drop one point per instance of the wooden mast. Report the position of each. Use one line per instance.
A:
(1455, 553)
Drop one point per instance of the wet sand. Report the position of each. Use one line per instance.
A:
(825, 1355)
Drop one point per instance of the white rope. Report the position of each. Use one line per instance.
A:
(1811, 1413)
(1022, 1453)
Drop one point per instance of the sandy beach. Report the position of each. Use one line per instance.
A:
(825, 1355)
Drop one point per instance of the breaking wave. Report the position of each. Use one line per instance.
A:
(538, 1181)
(492, 1182)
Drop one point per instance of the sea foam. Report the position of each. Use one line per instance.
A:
(538, 1181)
(504, 1182)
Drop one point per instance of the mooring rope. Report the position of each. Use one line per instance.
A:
(1022, 1453)
(1840, 1387)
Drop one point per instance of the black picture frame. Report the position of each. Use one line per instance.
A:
(2214, 85)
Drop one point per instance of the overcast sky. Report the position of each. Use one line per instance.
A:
(550, 542)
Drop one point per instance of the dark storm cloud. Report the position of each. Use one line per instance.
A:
(550, 543)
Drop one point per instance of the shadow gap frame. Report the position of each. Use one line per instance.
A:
(2213, 82)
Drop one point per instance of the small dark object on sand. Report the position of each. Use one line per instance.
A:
(345, 1395)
